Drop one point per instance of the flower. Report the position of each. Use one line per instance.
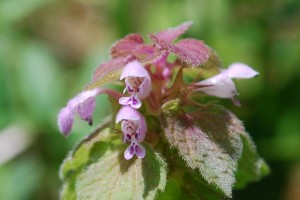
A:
(84, 104)
(133, 125)
(221, 84)
(134, 130)
(138, 84)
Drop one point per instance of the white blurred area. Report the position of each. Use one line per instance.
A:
(13, 141)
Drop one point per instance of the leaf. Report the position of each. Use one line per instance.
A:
(213, 64)
(82, 154)
(109, 71)
(113, 177)
(171, 34)
(250, 167)
(126, 45)
(190, 51)
(207, 139)
(172, 191)
(195, 187)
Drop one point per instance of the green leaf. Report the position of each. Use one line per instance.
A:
(195, 187)
(96, 169)
(250, 167)
(113, 177)
(84, 152)
(172, 191)
(207, 139)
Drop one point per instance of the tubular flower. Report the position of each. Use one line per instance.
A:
(221, 84)
(84, 104)
(133, 124)
(134, 130)
(138, 84)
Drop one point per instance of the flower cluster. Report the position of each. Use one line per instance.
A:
(138, 85)
(147, 74)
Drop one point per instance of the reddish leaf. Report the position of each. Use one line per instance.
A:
(190, 51)
(109, 71)
(126, 45)
(173, 33)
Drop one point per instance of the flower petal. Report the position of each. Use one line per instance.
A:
(84, 103)
(139, 151)
(129, 152)
(130, 101)
(128, 113)
(65, 120)
(134, 68)
(220, 86)
(240, 70)
(173, 33)
(133, 72)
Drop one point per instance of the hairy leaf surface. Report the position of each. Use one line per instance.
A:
(113, 177)
(207, 139)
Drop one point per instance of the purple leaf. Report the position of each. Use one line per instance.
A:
(190, 51)
(173, 33)
(126, 46)
(109, 71)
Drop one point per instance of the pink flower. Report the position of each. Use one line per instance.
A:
(221, 84)
(138, 84)
(84, 104)
(133, 125)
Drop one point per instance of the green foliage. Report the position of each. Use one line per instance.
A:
(250, 167)
(96, 169)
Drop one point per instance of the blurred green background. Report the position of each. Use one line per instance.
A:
(49, 49)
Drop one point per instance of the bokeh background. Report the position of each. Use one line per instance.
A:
(49, 49)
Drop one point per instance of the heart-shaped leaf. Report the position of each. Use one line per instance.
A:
(113, 177)
(207, 139)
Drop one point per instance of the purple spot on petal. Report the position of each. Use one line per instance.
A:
(131, 149)
(128, 137)
(134, 101)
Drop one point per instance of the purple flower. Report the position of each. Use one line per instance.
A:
(136, 149)
(221, 84)
(138, 84)
(133, 125)
(84, 104)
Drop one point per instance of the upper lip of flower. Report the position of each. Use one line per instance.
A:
(221, 84)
